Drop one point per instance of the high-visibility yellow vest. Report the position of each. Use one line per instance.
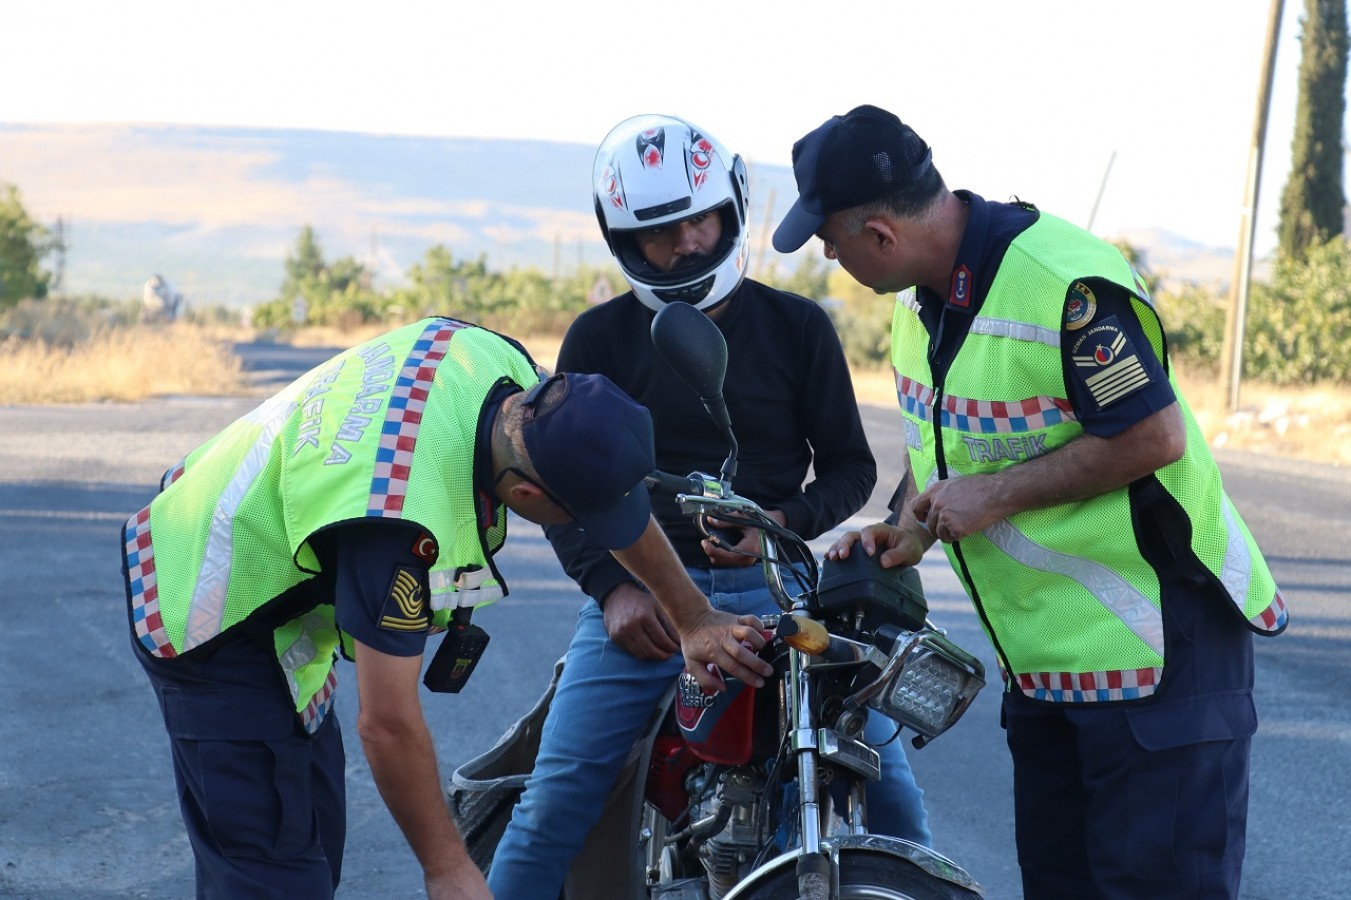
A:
(1069, 600)
(387, 430)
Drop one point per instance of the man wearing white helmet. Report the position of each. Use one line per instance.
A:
(671, 202)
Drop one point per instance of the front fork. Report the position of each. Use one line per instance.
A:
(804, 746)
(815, 869)
(816, 865)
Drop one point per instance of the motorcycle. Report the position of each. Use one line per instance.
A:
(758, 793)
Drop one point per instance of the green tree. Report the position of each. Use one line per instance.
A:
(23, 244)
(441, 285)
(304, 265)
(1302, 321)
(809, 278)
(1193, 318)
(336, 293)
(1312, 203)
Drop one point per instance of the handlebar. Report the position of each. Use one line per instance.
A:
(703, 497)
(922, 679)
(666, 483)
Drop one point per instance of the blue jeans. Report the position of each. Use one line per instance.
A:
(603, 699)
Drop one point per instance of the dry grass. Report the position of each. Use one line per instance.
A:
(122, 365)
(129, 365)
(1312, 423)
(543, 347)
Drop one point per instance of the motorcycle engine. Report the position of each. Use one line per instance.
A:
(727, 854)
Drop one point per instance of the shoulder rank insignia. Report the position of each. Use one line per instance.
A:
(1108, 364)
(405, 606)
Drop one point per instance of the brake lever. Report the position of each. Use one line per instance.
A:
(723, 537)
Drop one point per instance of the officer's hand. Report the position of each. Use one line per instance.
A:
(719, 640)
(898, 546)
(635, 621)
(465, 883)
(957, 508)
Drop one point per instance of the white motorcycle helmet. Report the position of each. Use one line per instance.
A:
(656, 170)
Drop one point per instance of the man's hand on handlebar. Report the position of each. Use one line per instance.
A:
(635, 621)
(746, 551)
(728, 642)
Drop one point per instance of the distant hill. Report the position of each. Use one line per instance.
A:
(1176, 259)
(215, 210)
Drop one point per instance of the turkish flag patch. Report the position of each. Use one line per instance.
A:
(424, 548)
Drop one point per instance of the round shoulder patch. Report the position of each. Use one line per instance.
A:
(1080, 305)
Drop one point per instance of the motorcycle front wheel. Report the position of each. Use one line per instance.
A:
(864, 875)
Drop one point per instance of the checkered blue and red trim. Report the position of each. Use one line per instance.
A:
(1140, 287)
(398, 434)
(1090, 687)
(174, 473)
(915, 398)
(312, 716)
(144, 592)
(1003, 417)
(1274, 617)
(984, 416)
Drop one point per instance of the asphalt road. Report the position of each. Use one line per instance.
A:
(87, 805)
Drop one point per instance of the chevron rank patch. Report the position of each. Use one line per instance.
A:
(1108, 364)
(405, 606)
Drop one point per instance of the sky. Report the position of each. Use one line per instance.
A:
(1114, 115)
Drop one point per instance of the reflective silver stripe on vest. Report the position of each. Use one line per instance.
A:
(1236, 570)
(1019, 331)
(1110, 589)
(301, 653)
(468, 590)
(213, 579)
(1008, 328)
(909, 300)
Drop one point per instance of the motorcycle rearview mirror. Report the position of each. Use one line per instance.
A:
(695, 349)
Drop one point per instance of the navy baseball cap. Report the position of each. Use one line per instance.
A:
(592, 446)
(850, 160)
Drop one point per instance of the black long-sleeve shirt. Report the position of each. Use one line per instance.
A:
(792, 407)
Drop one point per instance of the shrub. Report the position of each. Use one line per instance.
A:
(1299, 325)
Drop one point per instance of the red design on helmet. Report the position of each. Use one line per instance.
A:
(703, 178)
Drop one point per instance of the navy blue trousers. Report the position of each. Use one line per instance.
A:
(264, 803)
(1146, 799)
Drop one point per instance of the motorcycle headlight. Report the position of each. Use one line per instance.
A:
(926, 685)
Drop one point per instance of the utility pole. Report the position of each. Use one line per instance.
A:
(1231, 359)
(60, 244)
(1102, 186)
(765, 232)
(558, 264)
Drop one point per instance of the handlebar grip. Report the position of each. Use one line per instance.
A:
(806, 635)
(666, 483)
(812, 638)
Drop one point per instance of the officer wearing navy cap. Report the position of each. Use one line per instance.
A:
(356, 513)
(1053, 455)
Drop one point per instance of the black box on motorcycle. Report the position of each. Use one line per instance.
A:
(893, 595)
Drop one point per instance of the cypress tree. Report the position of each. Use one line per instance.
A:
(1312, 203)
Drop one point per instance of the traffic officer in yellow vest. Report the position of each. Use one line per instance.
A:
(357, 512)
(1054, 457)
